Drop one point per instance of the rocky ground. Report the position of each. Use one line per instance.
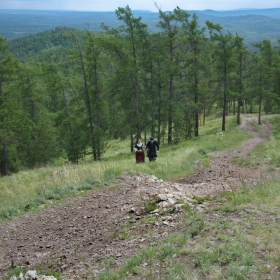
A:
(76, 236)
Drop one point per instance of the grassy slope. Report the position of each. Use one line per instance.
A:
(237, 239)
(31, 188)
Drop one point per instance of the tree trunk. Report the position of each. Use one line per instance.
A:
(239, 102)
(88, 103)
(153, 102)
(196, 113)
(4, 167)
(225, 99)
(204, 116)
(260, 102)
(170, 111)
(131, 142)
(238, 111)
(159, 113)
(137, 106)
(97, 112)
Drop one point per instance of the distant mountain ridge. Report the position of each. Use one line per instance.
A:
(273, 13)
(254, 25)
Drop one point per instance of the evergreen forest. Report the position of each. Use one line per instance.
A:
(64, 93)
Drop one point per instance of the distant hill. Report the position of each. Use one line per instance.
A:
(253, 28)
(273, 13)
(47, 45)
(19, 23)
(253, 25)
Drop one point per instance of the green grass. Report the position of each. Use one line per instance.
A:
(217, 244)
(237, 238)
(27, 190)
(272, 148)
(256, 126)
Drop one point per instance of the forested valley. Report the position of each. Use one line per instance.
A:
(64, 93)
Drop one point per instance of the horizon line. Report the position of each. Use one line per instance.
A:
(142, 10)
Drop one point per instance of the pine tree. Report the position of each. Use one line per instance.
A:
(241, 52)
(193, 52)
(126, 45)
(170, 29)
(95, 68)
(9, 111)
(72, 137)
(39, 140)
(224, 45)
(266, 54)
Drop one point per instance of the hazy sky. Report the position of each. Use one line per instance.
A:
(112, 5)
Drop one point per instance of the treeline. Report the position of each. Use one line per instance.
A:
(87, 87)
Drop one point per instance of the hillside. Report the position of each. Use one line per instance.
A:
(45, 46)
(114, 230)
(254, 25)
(253, 28)
(272, 13)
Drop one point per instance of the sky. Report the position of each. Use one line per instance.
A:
(112, 5)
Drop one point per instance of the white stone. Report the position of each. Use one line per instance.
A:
(171, 201)
(163, 204)
(43, 277)
(31, 274)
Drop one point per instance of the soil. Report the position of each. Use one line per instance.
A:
(77, 235)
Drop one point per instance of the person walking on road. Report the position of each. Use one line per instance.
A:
(139, 151)
(153, 149)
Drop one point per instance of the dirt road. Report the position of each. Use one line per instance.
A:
(77, 235)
